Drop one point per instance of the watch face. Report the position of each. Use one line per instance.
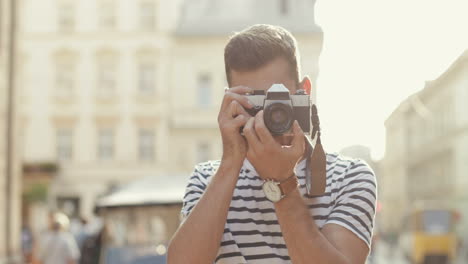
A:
(272, 191)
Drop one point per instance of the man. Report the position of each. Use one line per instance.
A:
(227, 217)
(58, 245)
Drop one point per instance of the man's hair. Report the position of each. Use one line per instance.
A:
(60, 222)
(257, 46)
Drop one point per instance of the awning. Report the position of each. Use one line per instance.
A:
(152, 190)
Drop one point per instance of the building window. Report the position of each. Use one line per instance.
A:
(107, 75)
(203, 152)
(69, 205)
(146, 78)
(64, 144)
(146, 144)
(284, 7)
(66, 16)
(106, 80)
(107, 19)
(105, 144)
(147, 15)
(204, 90)
(65, 78)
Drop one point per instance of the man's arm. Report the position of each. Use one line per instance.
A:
(197, 240)
(306, 243)
(346, 236)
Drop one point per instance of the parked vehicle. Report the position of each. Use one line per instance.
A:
(429, 236)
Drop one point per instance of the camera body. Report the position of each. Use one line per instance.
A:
(280, 108)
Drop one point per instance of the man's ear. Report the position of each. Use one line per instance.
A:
(306, 84)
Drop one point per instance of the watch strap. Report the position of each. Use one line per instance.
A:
(289, 185)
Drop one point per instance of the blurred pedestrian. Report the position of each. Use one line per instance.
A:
(82, 231)
(26, 244)
(58, 245)
(91, 251)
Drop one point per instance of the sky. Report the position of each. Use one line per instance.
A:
(375, 54)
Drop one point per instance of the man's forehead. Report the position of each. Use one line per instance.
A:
(277, 71)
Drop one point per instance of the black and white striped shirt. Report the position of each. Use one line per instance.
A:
(252, 233)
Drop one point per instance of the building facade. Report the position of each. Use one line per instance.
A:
(427, 147)
(115, 90)
(94, 76)
(359, 152)
(10, 197)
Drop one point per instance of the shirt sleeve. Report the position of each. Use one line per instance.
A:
(196, 187)
(354, 207)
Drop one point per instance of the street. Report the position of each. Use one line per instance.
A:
(384, 255)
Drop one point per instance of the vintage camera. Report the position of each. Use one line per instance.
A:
(280, 108)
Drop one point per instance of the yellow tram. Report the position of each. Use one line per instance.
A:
(429, 236)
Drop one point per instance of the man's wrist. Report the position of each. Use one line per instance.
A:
(292, 197)
(283, 176)
(230, 164)
(235, 161)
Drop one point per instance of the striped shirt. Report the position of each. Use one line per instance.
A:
(252, 233)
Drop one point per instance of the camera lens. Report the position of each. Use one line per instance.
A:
(278, 118)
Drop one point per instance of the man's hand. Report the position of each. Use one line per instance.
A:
(270, 158)
(232, 116)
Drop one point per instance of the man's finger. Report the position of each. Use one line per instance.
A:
(262, 131)
(240, 121)
(242, 99)
(298, 139)
(240, 90)
(236, 109)
(250, 135)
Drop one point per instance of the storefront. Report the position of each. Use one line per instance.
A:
(140, 219)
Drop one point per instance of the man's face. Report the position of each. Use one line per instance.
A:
(277, 71)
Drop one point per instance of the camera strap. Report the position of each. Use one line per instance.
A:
(316, 162)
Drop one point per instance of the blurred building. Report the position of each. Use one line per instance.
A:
(427, 147)
(115, 90)
(360, 152)
(10, 221)
(96, 89)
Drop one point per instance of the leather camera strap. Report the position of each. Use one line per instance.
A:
(316, 163)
